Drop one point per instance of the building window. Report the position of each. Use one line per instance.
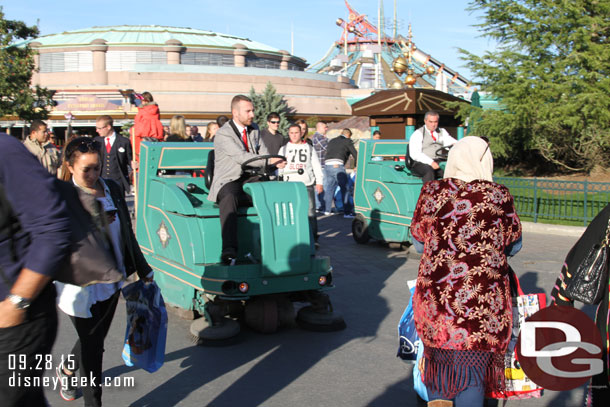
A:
(256, 62)
(125, 60)
(79, 61)
(294, 67)
(207, 58)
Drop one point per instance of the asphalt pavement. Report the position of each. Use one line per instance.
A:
(354, 367)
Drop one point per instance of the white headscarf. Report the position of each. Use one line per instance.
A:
(470, 159)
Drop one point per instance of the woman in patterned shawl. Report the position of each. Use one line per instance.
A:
(463, 312)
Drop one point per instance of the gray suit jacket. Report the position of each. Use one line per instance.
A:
(230, 153)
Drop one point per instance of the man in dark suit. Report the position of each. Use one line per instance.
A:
(116, 152)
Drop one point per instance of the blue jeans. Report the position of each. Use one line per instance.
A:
(320, 202)
(335, 175)
(472, 396)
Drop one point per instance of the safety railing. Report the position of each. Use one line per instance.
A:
(551, 201)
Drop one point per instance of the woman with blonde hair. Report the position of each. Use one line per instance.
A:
(177, 129)
(211, 131)
(463, 310)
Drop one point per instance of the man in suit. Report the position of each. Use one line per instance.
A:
(235, 142)
(116, 152)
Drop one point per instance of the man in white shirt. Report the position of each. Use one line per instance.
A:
(423, 146)
(303, 165)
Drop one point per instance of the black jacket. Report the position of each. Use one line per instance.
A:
(132, 255)
(173, 138)
(116, 164)
(340, 148)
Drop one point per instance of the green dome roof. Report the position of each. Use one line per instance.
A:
(148, 35)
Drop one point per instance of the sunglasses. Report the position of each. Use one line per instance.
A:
(486, 140)
(274, 121)
(84, 145)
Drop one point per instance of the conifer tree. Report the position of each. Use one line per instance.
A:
(17, 97)
(267, 102)
(551, 72)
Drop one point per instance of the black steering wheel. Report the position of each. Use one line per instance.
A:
(442, 153)
(265, 171)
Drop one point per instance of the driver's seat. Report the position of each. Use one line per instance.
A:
(209, 170)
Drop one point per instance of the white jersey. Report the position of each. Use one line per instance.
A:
(301, 156)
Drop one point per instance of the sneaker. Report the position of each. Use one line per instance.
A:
(349, 216)
(326, 213)
(67, 392)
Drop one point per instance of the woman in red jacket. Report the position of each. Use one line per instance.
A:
(147, 123)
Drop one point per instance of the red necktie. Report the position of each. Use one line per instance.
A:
(244, 137)
(108, 146)
(432, 134)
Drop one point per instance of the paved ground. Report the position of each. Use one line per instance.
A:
(354, 367)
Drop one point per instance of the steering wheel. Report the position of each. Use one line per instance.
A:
(442, 153)
(264, 171)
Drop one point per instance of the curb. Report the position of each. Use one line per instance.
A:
(547, 229)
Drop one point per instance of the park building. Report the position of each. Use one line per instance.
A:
(190, 72)
(195, 73)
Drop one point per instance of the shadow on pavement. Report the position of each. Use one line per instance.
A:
(279, 359)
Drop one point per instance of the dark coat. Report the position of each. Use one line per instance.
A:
(132, 255)
(173, 138)
(340, 148)
(34, 224)
(116, 164)
(594, 234)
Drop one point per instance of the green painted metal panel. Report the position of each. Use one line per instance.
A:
(460, 132)
(285, 238)
(385, 193)
(408, 131)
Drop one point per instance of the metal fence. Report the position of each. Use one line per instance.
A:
(573, 202)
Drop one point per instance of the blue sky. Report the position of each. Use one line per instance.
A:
(439, 27)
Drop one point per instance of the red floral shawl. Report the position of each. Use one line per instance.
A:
(462, 300)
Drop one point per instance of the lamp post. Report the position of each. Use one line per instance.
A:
(69, 116)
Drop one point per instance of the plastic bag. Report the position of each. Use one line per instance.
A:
(418, 385)
(407, 335)
(146, 330)
(518, 385)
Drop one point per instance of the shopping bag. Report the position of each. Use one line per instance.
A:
(418, 369)
(518, 385)
(146, 330)
(407, 335)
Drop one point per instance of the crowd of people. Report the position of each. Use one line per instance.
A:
(465, 225)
